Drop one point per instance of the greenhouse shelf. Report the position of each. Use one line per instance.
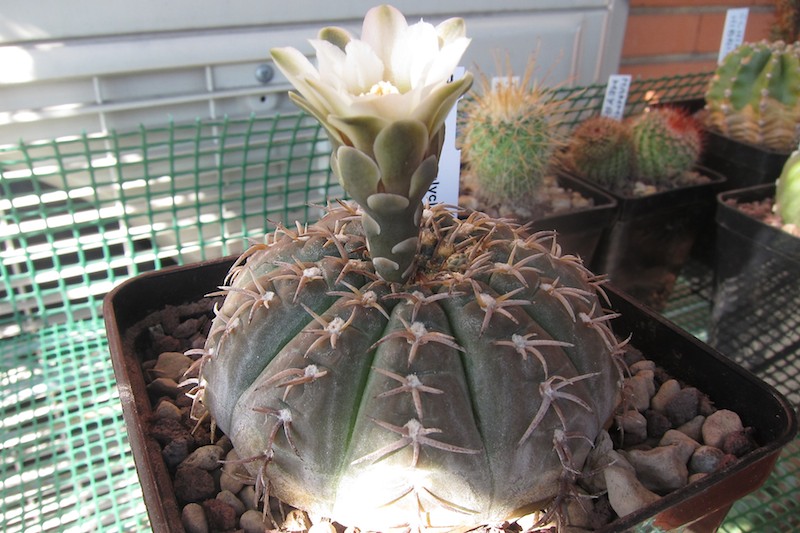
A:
(79, 215)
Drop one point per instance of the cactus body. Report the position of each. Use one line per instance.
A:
(667, 142)
(754, 96)
(463, 396)
(508, 138)
(601, 150)
(787, 194)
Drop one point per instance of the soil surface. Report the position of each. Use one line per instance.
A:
(764, 210)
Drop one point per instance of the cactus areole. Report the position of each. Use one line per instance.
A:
(396, 366)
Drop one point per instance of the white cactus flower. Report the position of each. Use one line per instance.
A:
(396, 71)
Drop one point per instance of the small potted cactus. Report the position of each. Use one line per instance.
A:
(752, 112)
(649, 164)
(758, 251)
(509, 133)
(395, 366)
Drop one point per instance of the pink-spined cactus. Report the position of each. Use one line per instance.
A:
(460, 385)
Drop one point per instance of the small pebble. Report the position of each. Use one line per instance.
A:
(206, 457)
(296, 520)
(232, 473)
(686, 445)
(739, 443)
(171, 365)
(176, 452)
(193, 518)
(706, 459)
(187, 328)
(660, 469)
(632, 427)
(693, 428)
(231, 499)
(644, 364)
(163, 387)
(695, 477)
(252, 521)
(638, 391)
(625, 493)
(167, 409)
(657, 424)
(193, 485)
(248, 496)
(664, 395)
(682, 407)
(719, 425)
(220, 515)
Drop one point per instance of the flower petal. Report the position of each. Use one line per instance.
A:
(363, 68)
(381, 29)
(413, 53)
(451, 29)
(336, 36)
(298, 70)
(446, 61)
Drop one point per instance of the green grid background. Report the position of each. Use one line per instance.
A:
(78, 215)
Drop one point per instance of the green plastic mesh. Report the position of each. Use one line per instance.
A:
(79, 215)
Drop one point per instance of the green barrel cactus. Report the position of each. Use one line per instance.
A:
(601, 149)
(667, 142)
(464, 389)
(508, 137)
(754, 95)
(787, 193)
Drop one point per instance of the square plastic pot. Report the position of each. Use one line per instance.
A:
(579, 232)
(649, 242)
(742, 164)
(705, 502)
(755, 318)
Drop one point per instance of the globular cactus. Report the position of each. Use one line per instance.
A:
(667, 142)
(462, 397)
(787, 193)
(508, 137)
(754, 95)
(601, 150)
(462, 388)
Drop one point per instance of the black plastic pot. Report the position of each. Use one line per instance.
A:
(742, 164)
(704, 503)
(756, 312)
(579, 232)
(649, 242)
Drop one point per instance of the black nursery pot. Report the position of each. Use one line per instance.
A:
(742, 164)
(703, 503)
(755, 318)
(579, 232)
(646, 247)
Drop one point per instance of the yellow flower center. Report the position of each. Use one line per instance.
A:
(382, 88)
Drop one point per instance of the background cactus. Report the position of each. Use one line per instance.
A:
(667, 143)
(787, 194)
(464, 396)
(753, 96)
(601, 149)
(508, 137)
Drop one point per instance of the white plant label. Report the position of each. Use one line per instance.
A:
(445, 189)
(503, 80)
(616, 96)
(733, 31)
